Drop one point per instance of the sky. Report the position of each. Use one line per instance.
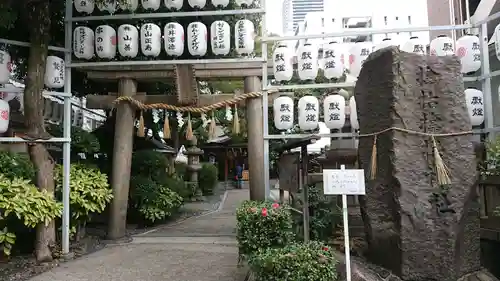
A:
(274, 16)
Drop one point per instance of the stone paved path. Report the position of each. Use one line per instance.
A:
(198, 249)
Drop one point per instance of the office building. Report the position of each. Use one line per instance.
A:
(300, 8)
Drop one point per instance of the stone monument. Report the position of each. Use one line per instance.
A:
(416, 228)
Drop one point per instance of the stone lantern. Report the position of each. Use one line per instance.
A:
(193, 154)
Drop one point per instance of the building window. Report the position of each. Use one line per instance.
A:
(357, 22)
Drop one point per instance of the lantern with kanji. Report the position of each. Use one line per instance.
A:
(283, 113)
(129, 5)
(198, 4)
(469, 53)
(174, 4)
(108, 6)
(282, 63)
(334, 60)
(220, 3)
(221, 37)
(83, 42)
(4, 116)
(307, 62)
(174, 39)
(244, 37)
(54, 72)
(334, 111)
(386, 42)
(241, 3)
(151, 4)
(128, 41)
(357, 56)
(197, 38)
(5, 67)
(84, 6)
(353, 117)
(414, 45)
(150, 39)
(475, 106)
(442, 46)
(308, 113)
(105, 42)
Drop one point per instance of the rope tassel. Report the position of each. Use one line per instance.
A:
(189, 129)
(166, 127)
(211, 127)
(443, 176)
(140, 130)
(373, 163)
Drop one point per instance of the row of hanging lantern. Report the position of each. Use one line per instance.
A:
(467, 49)
(105, 39)
(111, 6)
(334, 111)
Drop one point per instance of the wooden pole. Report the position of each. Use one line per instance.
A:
(122, 158)
(255, 140)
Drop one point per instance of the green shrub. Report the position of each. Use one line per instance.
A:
(22, 200)
(154, 202)
(181, 170)
(81, 140)
(16, 165)
(262, 225)
(174, 183)
(149, 163)
(208, 178)
(90, 192)
(296, 262)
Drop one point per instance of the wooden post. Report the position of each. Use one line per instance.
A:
(122, 158)
(255, 140)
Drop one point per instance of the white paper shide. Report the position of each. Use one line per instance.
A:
(128, 41)
(353, 117)
(283, 113)
(244, 37)
(150, 39)
(220, 32)
(282, 63)
(334, 111)
(83, 42)
(475, 106)
(307, 65)
(197, 38)
(308, 113)
(105, 42)
(54, 72)
(174, 39)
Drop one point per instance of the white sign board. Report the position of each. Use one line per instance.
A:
(343, 182)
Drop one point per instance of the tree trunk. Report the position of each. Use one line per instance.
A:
(39, 22)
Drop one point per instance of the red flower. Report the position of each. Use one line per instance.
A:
(275, 206)
(326, 249)
(264, 212)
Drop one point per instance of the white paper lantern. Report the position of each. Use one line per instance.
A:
(198, 4)
(414, 45)
(386, 42)
(244, 37)
(84, 6)
(5, 67)
(469, 53)
(353, 117)
(308, 113)
(4, 116)
(174, 4)
(129, 5)
(307, 58)
(151, 4)
(109, 6)
(83, 42)
(150, 39)
(105, 42)
(221, 37)
(283, 63)
(475, 106)
(334, 111)
(244, 2)
(358, 53)
(496, 37)
(174, 39)
(442, 46)
(334, 62)
(197, 38)
(283, 113)
(220, 3)
(128, 41)
(54, 72)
